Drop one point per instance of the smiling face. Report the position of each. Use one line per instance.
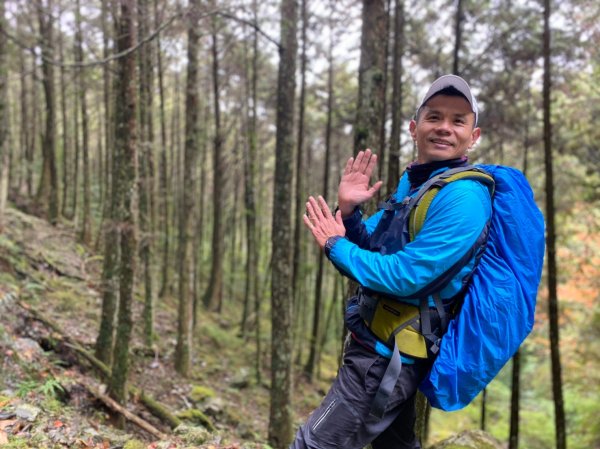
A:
(444, 129)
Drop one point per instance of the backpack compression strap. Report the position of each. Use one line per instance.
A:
(419, 212)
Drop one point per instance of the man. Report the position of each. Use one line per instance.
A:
(375, 254)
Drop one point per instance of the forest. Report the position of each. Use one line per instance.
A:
(158, 287)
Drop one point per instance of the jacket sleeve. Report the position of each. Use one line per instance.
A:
(454, 220)
(359, 231)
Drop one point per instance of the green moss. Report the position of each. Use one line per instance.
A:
(197, 417)
(192, 435)
(200, 393)
(134, 444)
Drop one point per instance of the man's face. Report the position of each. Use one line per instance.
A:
(444, 129)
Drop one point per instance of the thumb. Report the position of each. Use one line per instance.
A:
(375, 187)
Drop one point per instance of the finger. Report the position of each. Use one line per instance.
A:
(317, 210)
(338, 218)
(371, 165)
(310, 210)
(307, 222)
(348, 166)
(364, 163)
(325, 208)
(358, 161)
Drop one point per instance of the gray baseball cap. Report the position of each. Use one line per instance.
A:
(457, 83)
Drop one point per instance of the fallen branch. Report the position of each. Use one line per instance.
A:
(114, 405)
(150, 403)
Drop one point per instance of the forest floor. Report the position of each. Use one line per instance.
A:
(51, 396)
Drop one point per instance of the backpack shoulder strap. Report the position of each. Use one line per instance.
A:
(418, 213)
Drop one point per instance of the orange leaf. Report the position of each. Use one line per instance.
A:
(58, 423)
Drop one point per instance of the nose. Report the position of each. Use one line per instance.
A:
(443, 127)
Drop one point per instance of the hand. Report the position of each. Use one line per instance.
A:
(321, 222)
(354, 186)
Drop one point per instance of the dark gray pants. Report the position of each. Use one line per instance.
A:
(342, 421)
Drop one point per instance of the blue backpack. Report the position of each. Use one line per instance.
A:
(497, 312)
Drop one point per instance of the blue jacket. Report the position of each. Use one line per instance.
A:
(454, 221)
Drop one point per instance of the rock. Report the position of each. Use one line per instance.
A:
(28, 412)
(470, 439)
(192, 435)
(214, 407)
(27, 349)
(241, 379)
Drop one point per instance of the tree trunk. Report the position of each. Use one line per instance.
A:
(482, 422)
(250, 187)
(3, 119)
(125, 144)
(397, 71)
(371, 89)
(65, 130)
(423, 412)
(23, 134)
(457, 36)
(213, 294)
(280, 417)
(163, 169)
(513, 439)
(559, 411)
(86, 225)
(186, 211)
(47, 194)
(316, 328)
(300, 199)
(145, 160)
(110, 267)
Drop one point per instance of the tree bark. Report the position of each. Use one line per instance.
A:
(397, 72)
(371, 88)
(559, 411)
(86, 226)
(214, 292)
(316, 328)
(47, 194)
(163, 169)
(65, 130)
(300, 199)
(4, 162)
(280, 417)
(457, 36)
(145, 161)
(186, 211)
(125, 182)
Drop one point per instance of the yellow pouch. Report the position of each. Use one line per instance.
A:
(388, 316)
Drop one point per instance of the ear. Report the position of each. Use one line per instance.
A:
(412, 127)
(475, 136)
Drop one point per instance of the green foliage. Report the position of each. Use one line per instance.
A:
(16, 443)
(26, 387)
(51, 388)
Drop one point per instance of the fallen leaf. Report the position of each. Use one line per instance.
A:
(58, 423)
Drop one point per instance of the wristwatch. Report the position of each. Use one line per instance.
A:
(330, 242)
